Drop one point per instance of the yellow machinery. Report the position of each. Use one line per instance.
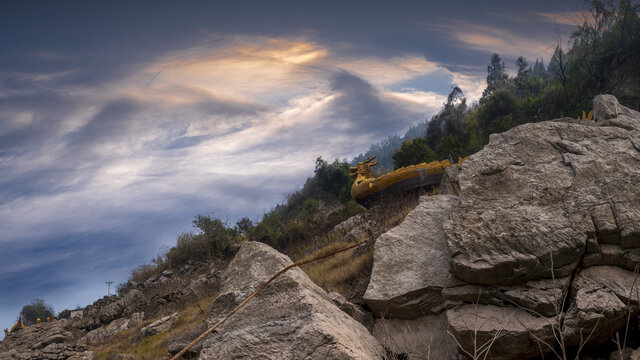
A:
(18, 325)
(405, 178)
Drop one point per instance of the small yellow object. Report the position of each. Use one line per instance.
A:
(18, 325)
(48, 319)
(6, 332)
(366, 185)
(38, 321)
(585, 116)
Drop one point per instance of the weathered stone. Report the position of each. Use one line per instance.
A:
(292, 318)
(627, 215)
(411, 263)
(422, 338)
(449, 184)
(40, 342)
(85, 355)
(506, 332)
(609, 112)
(606, 228)
(181, 340)
(158, 326)
(530, 194)
(604, 297)
(355, 311)
(543, 297)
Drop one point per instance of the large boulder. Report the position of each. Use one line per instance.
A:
(292, 318)
(532, 199)
(411, 263)
(422, 338)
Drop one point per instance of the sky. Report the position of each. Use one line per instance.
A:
(121, 120)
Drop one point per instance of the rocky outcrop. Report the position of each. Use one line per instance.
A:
(159, 325)
(411, 263)
(104, 333)
(292, 318)
(44, 341)
(545, 189)
(545, 239)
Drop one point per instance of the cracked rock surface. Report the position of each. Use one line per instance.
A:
(544, 189)
(292, 318)
(545, 239)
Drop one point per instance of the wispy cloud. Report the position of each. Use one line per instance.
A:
(571, 18)
(226, 128)
(490, 39)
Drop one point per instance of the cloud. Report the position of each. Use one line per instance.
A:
(94, 177)
(489, 39)
(571, 18)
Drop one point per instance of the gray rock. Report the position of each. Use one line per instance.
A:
(449, 184)
(40, 342)
(164, 324)
(85, 355)
(505, 332)
(104, 333)
(609, 112)
(543, 297)
(355, 311)
(292, 318)
(606, 228)
(422, 338)
(181, 340)
(411, 263)
(537, 190)
(604, 297)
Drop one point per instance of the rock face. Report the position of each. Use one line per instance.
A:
(411, 263)
(422, 338)
(159, 326)
(544, 237)
(104, 333)
(292, 318)
(42, 342)
(542, 190)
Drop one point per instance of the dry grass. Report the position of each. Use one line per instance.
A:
(339, 272)
(155, 347)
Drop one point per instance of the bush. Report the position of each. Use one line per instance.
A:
(414, 152)
(311, 206)
(36, 310)
(64, 314)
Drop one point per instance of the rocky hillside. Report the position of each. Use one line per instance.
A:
(531, 250)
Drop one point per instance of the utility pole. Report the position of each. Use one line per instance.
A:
(108, 287)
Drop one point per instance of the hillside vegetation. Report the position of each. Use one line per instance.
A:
(603, 57)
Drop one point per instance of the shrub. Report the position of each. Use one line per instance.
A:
(36, 310)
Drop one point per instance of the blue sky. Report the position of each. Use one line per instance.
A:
(120, 121)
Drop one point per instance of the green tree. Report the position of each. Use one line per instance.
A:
(214, 233)
(558, 69)
(498, 113)
(331, 177)
(414, 152)
(244, 225)
(36, 310)
(496, 76)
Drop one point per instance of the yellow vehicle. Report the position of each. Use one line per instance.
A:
(405, 178)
